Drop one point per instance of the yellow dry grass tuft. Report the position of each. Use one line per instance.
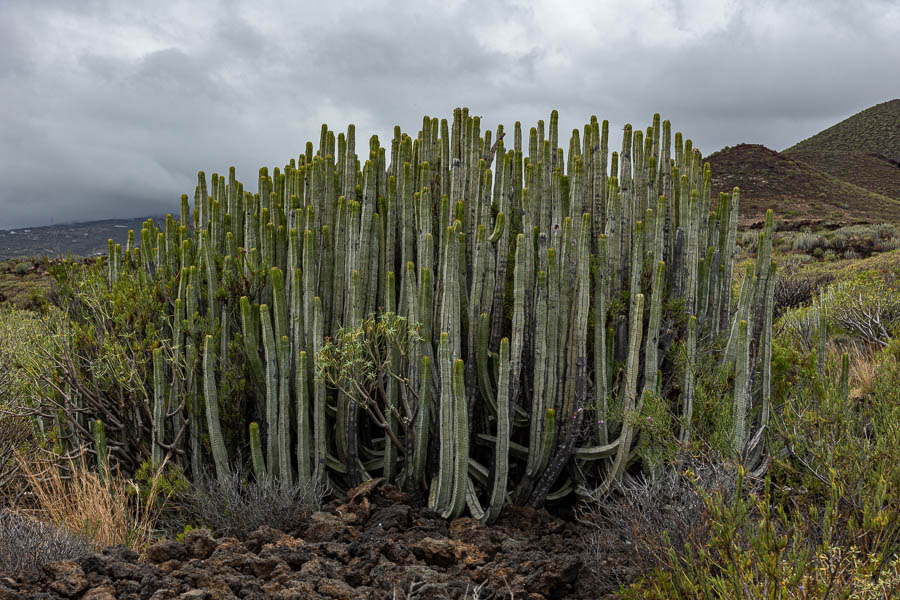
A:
(67, 493)
(863, 370)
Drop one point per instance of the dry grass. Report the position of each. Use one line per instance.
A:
(67, 493)
(863, 370)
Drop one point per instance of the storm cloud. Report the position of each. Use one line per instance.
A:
(108, 109)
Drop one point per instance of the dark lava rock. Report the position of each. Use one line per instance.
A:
(66, 578)
(166, 550)
(370, 545)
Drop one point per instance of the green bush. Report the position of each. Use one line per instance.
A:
(800, 326)
(758, 549)
(827, 521)
(807, 242)
(25, 366)
(86, 359)
(866, 307)
(831, 448)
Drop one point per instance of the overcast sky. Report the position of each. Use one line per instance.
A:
(109, 108)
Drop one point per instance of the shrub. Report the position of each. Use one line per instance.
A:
(832, 450)
(750, 240)
(15, 437)
(27, 545)
(864, 239)
(97, 356)
(233, 506)
(26, 343)
(827, 522)
(794, 287)
(650, 516)
(800, 326)
(757, 549)
(807, 242)
(867, 306)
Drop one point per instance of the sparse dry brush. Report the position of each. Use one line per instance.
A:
(653, 517)
(26, 545)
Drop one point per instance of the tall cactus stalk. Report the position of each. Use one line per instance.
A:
(741, 393)
(159, 408)
(631, 402)
(101, 449)
(216, 441)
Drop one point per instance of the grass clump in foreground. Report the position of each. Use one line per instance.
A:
(102, 510)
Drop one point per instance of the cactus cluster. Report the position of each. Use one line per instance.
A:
(545, 290)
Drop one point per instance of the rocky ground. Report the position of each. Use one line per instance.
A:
(369, 545)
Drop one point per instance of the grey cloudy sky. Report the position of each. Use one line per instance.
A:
(109, 108)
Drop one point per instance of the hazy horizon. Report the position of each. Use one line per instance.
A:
(110, 109)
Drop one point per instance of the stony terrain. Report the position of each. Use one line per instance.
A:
(371, 545)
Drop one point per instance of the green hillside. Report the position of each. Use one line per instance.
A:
(873, 172)
(875, 130)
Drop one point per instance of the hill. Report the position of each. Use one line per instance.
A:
(874, 172)
(863, 149)
(875, 130)
(799, 193)
(80, 239)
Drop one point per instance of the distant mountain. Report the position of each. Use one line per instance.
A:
(799, 193)
(79, 239)
(874, 172)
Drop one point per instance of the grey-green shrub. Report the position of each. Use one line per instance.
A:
(27, 545)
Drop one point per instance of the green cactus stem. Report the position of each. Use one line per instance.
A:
(102, 450)
(256, 453)
(501, 452)
(741, 393)
(211, 395)
(159, 408)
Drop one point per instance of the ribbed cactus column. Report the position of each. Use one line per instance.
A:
(271, 375)
(631, 410)
(216, 441)
(741, 393)
(101, 449)
(159, 408)
(256, 454)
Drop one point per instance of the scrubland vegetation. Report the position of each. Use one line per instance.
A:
(483, 327)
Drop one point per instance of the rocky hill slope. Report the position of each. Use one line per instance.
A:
(799, 193)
